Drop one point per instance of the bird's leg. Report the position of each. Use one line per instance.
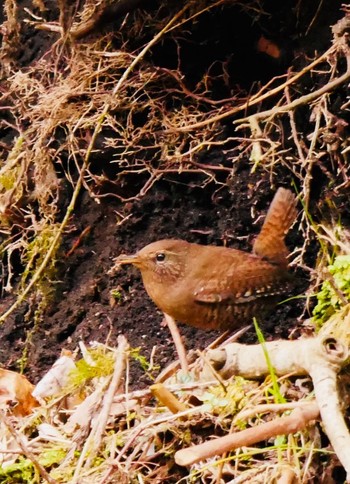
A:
(180, 348)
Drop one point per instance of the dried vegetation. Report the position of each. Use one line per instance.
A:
(85, 101)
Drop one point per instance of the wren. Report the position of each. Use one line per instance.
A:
(213, 287)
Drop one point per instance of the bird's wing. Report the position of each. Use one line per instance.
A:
(210, 292)
(212, 295)
(242, 283)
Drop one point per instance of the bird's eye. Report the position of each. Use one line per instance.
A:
(160, 257)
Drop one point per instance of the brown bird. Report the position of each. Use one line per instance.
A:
(216, 287)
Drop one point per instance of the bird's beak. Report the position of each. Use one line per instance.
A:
(124, 259)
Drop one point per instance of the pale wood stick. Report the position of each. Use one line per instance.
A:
(297, 420)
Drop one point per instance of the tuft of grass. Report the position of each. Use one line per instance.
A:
(116, 295)
(274, 389)
(278, 397)
(147, 366)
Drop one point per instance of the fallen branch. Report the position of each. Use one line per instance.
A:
(297, 357)
(296, 421)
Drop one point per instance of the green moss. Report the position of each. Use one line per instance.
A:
(228, 400)
(22, 471)
(36, 319)
(102, 365)
(329, 299)
(52, 457)
(34, 256)
(7, 180)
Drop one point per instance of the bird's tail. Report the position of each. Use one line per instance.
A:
(270, 242)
